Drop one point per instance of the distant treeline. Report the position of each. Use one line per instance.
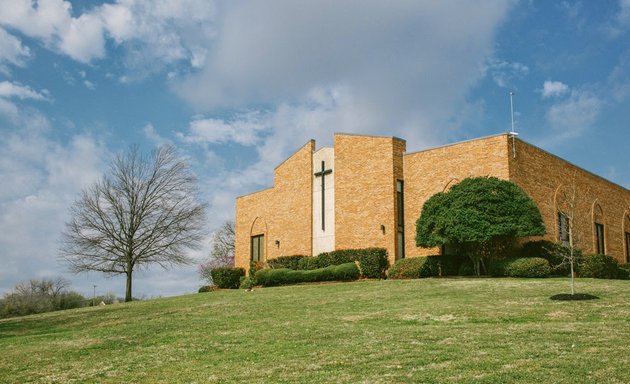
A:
(46, 295)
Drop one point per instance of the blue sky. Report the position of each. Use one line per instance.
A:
(238, 86)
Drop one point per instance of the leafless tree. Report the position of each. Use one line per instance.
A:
(567, 205)
(222, 253)
(143, 211)
(223, 244)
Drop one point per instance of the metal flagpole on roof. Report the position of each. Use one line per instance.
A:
(513, 132)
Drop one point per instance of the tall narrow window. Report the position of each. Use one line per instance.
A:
(627, 247)
(563, 229)
(258, 248)
(599, 238)
(400, 220)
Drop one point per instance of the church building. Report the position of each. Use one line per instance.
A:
(368, 191)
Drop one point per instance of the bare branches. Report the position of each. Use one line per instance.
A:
(144, 211)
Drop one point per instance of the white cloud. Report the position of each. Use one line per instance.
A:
(391, 63)
(153, 136)
(83, 39)
(504, 73)
(12, 52)
(243, 130)
(623, 17)
(45, 177)
(573, 116)
(153, 34)
(554, 88)
(14, 90)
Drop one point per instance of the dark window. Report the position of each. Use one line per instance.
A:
(627, 247)
(400, 218)
(599, 238)
(563, 229)
(258, 248)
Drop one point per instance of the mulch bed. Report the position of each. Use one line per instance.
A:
(576, 296)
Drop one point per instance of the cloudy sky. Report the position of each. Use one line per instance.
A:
(238, 86)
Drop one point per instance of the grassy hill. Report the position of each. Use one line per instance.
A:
(431, 330)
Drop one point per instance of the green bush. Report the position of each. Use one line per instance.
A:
(285, 276)
(227, 277)
(599, 266)
(466, 268)
(413, 268)
(204, 288)
(373, 262)
(290, 262)
(623, 273)
(556, 254)
(496, 268)
(527, 267)
(247, 282)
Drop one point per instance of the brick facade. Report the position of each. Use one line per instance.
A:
(366, 171)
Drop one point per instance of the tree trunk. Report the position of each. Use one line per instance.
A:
(128, 296)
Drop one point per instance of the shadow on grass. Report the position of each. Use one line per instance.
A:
(575, 296)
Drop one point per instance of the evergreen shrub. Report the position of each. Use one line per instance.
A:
(527, 267)
(413, 268)
(556, 254)
(247, 282)
(290, 262)
(466, 268)
(227, 277)
(599, 266)
(285, 276)
(373, 262)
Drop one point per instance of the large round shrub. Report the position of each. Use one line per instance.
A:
(599, 266)
(227, 277)
(528, 267)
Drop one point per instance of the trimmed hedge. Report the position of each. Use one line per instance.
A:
(227, 277)
(291, 262)
(410, 268)
(521, 267)
(600, 267)
(285, 276)
(372, 261)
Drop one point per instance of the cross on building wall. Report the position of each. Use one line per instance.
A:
(323, 174)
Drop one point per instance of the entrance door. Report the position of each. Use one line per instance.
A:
(258, 248)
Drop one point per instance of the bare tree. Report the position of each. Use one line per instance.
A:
(567, 206)
(223, 244)
(143, 211)
(222, 253)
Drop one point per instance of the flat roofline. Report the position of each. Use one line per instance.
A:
(373, 136)
(526, 143)
(574, 165)
(457, 143)
(253, 193)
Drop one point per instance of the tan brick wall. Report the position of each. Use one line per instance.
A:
(366, 169)
(545, 177)
(282, 213)
(434, 170)
(365, 174)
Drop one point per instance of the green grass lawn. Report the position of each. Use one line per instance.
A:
(430, 331)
